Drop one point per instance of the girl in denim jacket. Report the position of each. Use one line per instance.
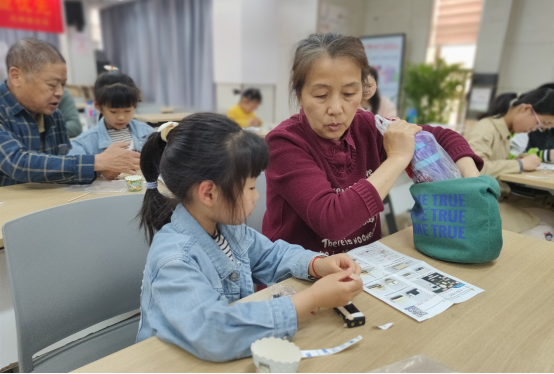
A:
(115, 97)
(202, 256)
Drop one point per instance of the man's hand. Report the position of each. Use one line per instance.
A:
(117, 159)
(111, 175)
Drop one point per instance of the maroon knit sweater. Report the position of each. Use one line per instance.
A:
(317, 192)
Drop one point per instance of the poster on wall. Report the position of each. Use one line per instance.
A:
(33, 15)
(386, 54)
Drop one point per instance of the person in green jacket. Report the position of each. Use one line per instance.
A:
(70, 114)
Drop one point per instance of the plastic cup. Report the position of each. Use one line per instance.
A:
(273, 355)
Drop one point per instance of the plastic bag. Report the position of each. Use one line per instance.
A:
(415, 364)
(278, 290)
(100, 186)
(430, 163)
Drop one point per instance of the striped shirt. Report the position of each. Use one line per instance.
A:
(121, 136)
(20, 158)
(222, 243)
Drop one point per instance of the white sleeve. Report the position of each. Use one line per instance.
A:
(518, 144)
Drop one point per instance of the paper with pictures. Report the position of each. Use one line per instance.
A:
(545, 166)
(409, 285)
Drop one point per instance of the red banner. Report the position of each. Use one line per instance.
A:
(34, 15)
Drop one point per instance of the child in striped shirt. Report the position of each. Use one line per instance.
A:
(116, 97)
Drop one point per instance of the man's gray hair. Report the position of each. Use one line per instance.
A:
(30, 55)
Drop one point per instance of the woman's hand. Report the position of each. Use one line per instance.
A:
(329, 265)
(331, 291)
(399, 141)
(467, 167)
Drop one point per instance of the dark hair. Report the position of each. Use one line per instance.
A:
(542, 101)
(375, 100)
(251, 94)
(116, 90)
(30, 55)
(548, 85)
(203, 147)
(317, 45)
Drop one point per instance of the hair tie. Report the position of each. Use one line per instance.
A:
(151, 185)
(166, 128)
(110, 68)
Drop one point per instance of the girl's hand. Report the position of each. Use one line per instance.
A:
(399, 141)
(531, 162)
(333, 264)
(255, 122)
(329, 292)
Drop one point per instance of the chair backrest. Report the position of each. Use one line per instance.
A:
(256, 218)
(72, 267)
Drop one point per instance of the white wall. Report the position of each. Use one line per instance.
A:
(227, 41)
(345, 17)
(254, 43)
(78, 50)
(495, 18)
(528, 55)
(516, 40)
(259, 35)
(399, 16)
(297, 20)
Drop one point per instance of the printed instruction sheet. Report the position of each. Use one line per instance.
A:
(545, 166)
(409, 285)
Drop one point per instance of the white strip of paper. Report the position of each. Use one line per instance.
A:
(330, 351)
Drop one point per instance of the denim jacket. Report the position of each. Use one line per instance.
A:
(189, 283)
(97, 139)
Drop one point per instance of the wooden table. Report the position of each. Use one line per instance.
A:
(508, 328)
(22, 199)
(542, 179)
(161, 117)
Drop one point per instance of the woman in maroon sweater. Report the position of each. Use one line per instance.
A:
(330, 168)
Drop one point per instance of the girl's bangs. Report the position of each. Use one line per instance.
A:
(118, 96)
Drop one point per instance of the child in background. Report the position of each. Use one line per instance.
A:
(491, 141)
(202, 256)
(116, 97)
(539, 142)
(243, 112)
(70, 114)
(377, 103)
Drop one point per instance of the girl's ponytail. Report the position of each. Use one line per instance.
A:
(156, 208)
(500, 105)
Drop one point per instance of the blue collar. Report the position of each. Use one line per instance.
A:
(104, 140)
(186, 224)
(10, 99)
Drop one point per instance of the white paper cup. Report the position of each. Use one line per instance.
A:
(134, 183)
(273, 355)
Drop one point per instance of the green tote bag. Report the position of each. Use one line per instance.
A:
(458, 220)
